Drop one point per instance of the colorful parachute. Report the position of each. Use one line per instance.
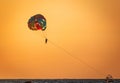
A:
(37, 22)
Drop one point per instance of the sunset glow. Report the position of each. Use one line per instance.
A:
(88, 29)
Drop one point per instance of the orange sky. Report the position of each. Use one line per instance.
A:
(88, 29)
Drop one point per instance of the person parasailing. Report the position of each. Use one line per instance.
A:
(38, 22)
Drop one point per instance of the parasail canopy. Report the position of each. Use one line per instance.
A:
(37, 22)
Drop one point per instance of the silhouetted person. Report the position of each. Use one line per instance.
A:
(109, 79)
(46, 40)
